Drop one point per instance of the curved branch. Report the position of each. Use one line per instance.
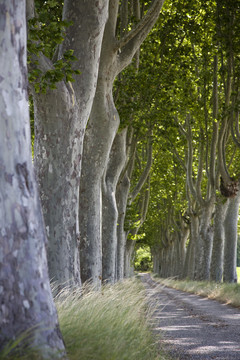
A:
(146, 201)
(175, 152)
(112, 18)
(139, 28)
(145, 173)
(200, 170)
(190, 161)
(129, 44)
(131, 155)
(214, 142)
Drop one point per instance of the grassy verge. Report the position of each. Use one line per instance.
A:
(112, 324)
(226, 293)
(108, 325)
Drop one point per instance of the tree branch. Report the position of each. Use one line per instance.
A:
(145, 173)
(190, 161)
(124, 17)
(212, 168)
(129, 44)
(200, 170)
(30, 9)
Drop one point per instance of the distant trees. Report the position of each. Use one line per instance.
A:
(200, 100)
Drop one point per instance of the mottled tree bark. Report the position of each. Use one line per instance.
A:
(216, 270)
(189, 265)
(204, 244)
(116, 162)
(60, 121)
(26, 302)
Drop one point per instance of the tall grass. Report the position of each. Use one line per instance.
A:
(223, 292)
(111, 324)
(108, 325)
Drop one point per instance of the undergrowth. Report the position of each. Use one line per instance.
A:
(111, 324)
(223, 292)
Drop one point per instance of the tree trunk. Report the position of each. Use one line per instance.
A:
(204, 247)
(122, 196)
(182, 244)
(216, 271)
(156, 255)
(129, 258)
(25, 293)
(97, 145)
(102, 127)
(230, 249)
(189, 264)
(116, 162)
(60, 120)
(56, 151)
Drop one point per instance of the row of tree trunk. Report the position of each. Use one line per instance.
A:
(199, 251)
(83, 166)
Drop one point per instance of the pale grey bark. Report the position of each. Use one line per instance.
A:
(156, 255)
(216, 270)
(189, 265)
(116, 162)
(230, 248)
(204, 243)
(181, 241)
(60, 120)
(25, 293)
(122, 198)
(103, 124)
(129, 258)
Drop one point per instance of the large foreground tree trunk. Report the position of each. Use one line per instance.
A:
(25, 294)
(60, 120)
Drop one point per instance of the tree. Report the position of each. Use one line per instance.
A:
(61, 115)
(25, 293)
(118, 49)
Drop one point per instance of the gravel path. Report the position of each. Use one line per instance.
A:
(193, 327)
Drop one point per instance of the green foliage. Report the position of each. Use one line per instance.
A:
(175, 78)
(143, 259)
(45, 33)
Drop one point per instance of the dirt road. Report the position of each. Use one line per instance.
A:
(193, 327)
